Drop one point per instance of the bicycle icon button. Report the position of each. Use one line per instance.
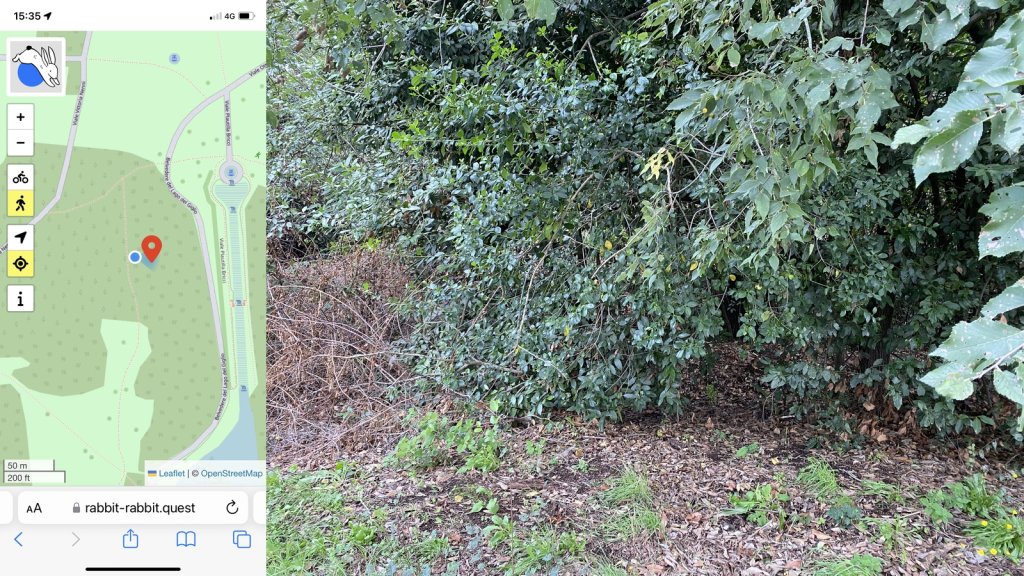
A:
(20, 178)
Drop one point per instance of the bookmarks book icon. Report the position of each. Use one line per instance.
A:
(185, 538)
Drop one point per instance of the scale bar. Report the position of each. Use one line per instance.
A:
(130, 569)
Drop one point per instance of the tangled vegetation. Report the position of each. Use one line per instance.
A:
(591, 191)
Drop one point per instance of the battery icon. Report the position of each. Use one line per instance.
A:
(246, 16)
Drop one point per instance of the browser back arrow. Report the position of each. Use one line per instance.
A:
(18, 542)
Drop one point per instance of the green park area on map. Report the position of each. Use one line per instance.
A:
(121, 362)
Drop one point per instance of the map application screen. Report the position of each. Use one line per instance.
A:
(132, 367)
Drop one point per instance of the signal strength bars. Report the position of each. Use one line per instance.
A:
(217, 16)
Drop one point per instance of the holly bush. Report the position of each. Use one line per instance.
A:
(582, 187)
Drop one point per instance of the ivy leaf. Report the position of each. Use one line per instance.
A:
(952, 380)
(1010, 299)
(542, 10)
(946, 150)
(982, 340)
(1004, 232)
(505, 9)
(1009, 385)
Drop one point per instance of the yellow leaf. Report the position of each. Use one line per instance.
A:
(693, 266)
(458, 499)
(775, 461)
(566, 331)
(607, 244)
(732, 277)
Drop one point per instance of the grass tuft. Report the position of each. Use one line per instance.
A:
(629, 487)
(859, 565)
(820, 479)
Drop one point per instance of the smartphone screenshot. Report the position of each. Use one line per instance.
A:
(132, 332)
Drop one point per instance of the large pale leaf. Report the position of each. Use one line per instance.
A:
(952, 380)
(820, 93)
(1004, 233)
(505, 9)
(967, 99)
(894, 7)
(1009, 385)
(1008, 129)
(542, 10)
(949, 148)
(1010, 299)
(937, 31)
(984, 62)
(910, 134)
(982, 340)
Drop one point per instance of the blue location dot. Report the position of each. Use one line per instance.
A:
(175, 58)
(134, 257)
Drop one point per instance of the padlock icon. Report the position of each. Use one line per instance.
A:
(76, 508)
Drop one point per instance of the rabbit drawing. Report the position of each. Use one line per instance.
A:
(45, 62)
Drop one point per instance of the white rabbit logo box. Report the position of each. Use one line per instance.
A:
(36, 66)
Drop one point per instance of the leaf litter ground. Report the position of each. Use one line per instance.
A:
(338, 506)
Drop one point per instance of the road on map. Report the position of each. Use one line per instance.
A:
(222, 94)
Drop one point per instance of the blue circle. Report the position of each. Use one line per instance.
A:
(29, 76)
(134, 257)
(175, 58)
(231, 171)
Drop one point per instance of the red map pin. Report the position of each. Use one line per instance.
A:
(151, 246)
